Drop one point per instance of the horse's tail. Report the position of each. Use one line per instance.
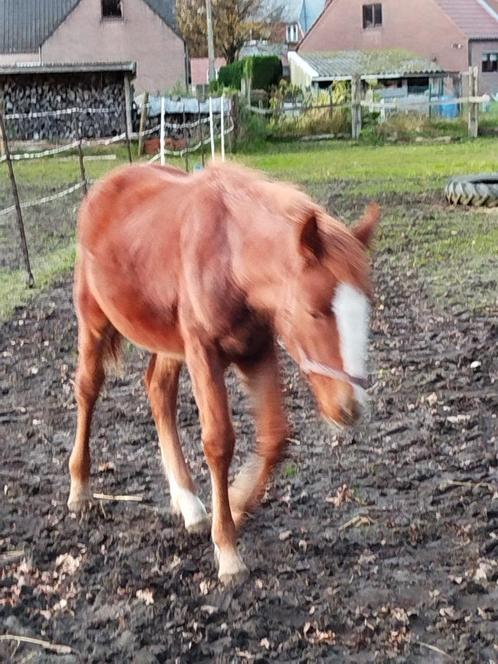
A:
(113, 347)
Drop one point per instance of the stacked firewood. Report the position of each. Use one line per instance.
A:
(38, 107)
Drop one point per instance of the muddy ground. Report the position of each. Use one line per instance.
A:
(377, 545)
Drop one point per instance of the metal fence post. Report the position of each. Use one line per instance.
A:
(355, 107)
(161, 134)
(143, 123)
(20, 224)
(185, 136)
(222, 127)
(201, 131)
(211, 127)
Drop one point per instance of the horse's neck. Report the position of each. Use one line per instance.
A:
(266, 263)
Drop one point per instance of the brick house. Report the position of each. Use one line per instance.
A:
(453, 33)
(60, 32)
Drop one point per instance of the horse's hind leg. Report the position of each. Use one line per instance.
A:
(263, 383)
(93, 345)
(162, 387)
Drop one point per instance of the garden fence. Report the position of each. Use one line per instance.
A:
(356, 105)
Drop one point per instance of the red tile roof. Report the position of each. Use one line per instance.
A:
(478, 19)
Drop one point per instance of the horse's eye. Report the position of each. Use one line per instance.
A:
(316, 314)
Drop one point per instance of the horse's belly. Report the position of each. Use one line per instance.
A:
(138, 314)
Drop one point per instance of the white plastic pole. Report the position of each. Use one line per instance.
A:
(161, 140)
(211, 128)
(222, 127)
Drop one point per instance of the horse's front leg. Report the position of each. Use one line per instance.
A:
(262, 380)
(206, 370)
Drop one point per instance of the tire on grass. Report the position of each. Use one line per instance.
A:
(473, 190)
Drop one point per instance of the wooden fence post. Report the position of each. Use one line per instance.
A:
(1, 133)
(473, 121)
(82, 167)
(127, 109)
(127, 117)
(235, 111)
(355, 107)
(20, 224)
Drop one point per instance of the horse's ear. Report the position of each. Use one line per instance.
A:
(365, 228)
(310, 242)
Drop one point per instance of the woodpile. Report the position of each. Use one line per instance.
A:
(43, 94)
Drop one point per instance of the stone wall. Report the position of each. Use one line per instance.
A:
(39, 93)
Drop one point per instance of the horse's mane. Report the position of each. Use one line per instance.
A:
(239, 184)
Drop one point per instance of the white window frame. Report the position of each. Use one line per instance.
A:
(292, 30)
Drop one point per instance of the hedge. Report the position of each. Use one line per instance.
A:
(264, 71)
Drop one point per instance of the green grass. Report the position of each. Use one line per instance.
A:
(394, 164)
(58, 172)
(453, 251)
(47, 269)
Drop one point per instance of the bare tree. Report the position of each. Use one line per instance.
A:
(234, 22)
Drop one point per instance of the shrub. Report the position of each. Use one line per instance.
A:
(230, 76)
(264, 71)
(253, 131)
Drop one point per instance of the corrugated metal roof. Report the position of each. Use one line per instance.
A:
(389, 63)
(68, 68)
(474, 17)
(26, 24)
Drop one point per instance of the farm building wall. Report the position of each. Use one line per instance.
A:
(426, 30)
(36, 93)
(141, 36)
(488, 81)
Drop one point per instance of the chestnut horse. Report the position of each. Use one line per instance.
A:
(209, 270)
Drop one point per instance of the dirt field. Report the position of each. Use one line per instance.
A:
(379, 545)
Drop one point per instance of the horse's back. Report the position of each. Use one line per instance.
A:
(128, 252)
(119, 196)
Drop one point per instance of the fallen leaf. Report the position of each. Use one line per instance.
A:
(146, 596)
(342, 495)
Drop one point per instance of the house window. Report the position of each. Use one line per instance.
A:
(489, 62)
(292, 33)
(372, 15)
(112, 9)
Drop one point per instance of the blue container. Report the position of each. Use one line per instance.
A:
(449, 111)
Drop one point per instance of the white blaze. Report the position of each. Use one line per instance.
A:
(352, 312)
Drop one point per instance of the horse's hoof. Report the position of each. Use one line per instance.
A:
(187, 504)
(199, 527)
(235, 578)
(232, 570)
(79, 500)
